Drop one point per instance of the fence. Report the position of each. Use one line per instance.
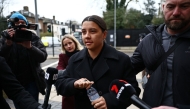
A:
(125, 37)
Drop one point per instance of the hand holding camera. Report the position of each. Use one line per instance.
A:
(19, 31)
(9, 34)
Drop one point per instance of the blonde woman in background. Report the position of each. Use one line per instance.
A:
(70, 45)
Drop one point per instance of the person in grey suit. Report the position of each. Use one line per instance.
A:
(97, 65)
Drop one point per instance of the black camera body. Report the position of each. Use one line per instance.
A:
(12, 21)
(20, 35)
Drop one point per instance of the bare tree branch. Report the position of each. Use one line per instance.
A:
(128, 3)
(3, 5)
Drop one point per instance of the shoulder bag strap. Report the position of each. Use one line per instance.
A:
(163, 57)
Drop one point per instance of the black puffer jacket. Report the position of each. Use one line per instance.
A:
(147, 54)
(36, 55)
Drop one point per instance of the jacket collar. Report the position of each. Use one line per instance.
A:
(107, 52)
(157, 31)
(101, 66)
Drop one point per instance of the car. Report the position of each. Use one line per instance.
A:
(47, 41)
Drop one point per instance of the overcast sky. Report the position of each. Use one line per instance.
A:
(64, 10)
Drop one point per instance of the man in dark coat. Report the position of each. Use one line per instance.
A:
(13, 89)
(98, 65)
(169, 83)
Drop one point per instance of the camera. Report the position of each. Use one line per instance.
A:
(12, 21)
(20, 35)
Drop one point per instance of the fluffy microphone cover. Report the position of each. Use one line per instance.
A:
(52, 72)
(121, 90)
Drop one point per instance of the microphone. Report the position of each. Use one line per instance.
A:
(124, 92)
(50, 76)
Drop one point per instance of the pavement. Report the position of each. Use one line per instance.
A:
(55, 100)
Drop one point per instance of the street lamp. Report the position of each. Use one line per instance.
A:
(53, 35)
(36, 17)
(114, 23)
(70, 26)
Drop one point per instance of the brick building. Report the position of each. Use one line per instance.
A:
(42, 21)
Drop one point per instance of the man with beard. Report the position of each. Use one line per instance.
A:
(169, 82)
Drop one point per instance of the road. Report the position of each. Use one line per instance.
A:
(52, 60)
(57, 50)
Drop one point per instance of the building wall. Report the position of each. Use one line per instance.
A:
(43, 22)
(40, 21)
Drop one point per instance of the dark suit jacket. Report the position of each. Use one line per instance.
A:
(111, 65)
(13, 89)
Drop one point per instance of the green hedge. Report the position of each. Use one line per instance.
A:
(45, 34)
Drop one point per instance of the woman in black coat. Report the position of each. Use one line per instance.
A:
(97, 65)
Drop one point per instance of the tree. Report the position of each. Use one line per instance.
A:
(149, 7)
(3, 20)
(108, 15)
(157, 20)
(3, 24)
(3, 5)
(134, 19)
(151, 11)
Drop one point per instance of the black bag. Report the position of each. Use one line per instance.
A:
(41, 83)
(39, 76)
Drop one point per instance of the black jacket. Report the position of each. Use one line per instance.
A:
(147, 54)
(36, 55)
(111, 65)
(13, 89)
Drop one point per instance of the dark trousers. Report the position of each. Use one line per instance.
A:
(33, 90)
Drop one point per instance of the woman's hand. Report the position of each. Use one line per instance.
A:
(99, 103)
(83, 83)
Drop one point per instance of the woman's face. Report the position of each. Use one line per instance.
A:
(69, 45)
(92, 35)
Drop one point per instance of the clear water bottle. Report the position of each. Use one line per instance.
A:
(92, 94)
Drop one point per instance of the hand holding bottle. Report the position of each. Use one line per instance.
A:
(92, 94)
(83, 83)
(99, 103)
